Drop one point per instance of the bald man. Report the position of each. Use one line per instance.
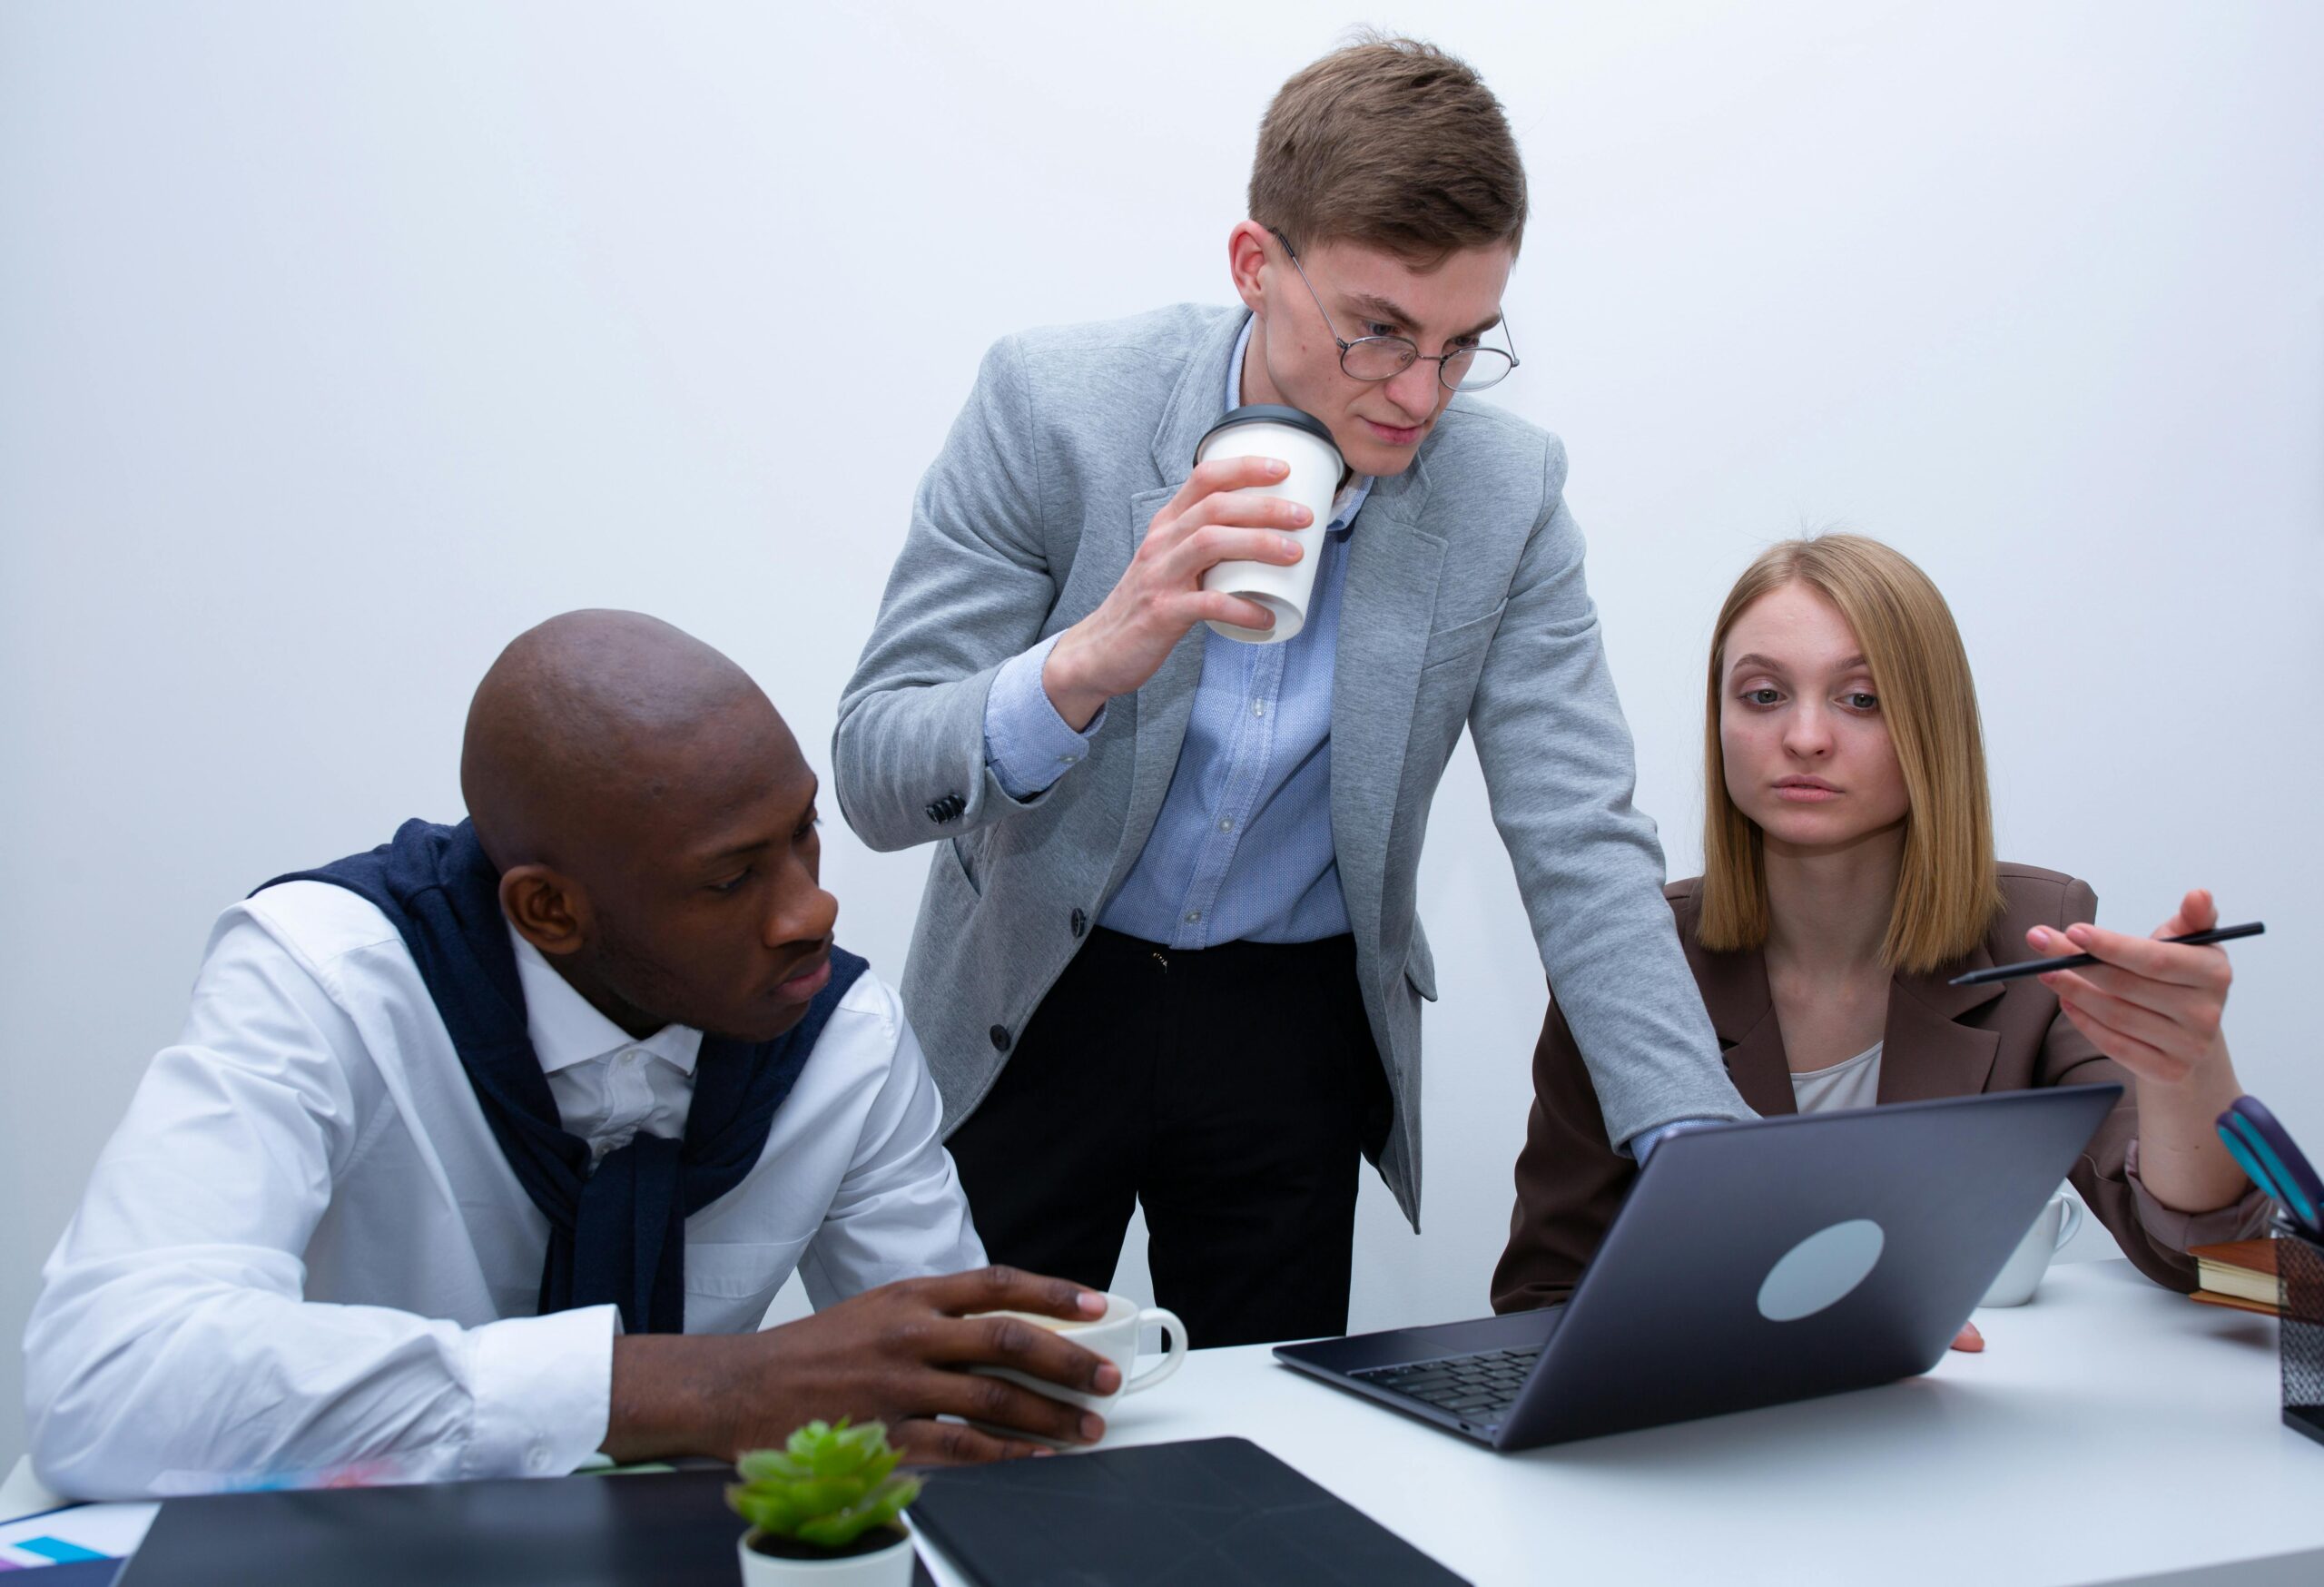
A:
(482, 1153)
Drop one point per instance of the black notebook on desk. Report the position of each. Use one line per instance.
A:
(1213, 1513)
(667, 1529)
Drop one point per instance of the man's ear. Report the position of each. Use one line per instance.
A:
(1246, 254)
(548, 908)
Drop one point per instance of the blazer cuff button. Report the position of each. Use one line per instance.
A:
(1000, 1038)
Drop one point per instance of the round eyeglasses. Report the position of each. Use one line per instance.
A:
(1383, 358)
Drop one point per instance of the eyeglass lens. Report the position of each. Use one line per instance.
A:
(1378, 358)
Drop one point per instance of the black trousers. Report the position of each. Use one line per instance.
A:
(1234, 1091)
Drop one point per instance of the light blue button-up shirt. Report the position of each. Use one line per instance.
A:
(1242, 848)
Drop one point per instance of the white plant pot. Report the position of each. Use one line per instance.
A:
(890, 1567)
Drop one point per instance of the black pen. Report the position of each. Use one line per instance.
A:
(2075, 961)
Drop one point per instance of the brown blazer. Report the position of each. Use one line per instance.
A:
(1940, 1041)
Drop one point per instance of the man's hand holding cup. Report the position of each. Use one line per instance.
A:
(1215, 518)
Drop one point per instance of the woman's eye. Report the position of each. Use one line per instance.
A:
(1862, 700)
(1761, 696)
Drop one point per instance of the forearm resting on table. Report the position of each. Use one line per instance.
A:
(669, 1396)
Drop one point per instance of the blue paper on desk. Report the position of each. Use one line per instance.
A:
(71, 1544)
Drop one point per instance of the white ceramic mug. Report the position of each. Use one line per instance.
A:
(1114, 1337)
(1304, 442)
(2021, 1276)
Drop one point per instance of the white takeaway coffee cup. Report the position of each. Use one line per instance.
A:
(2021, 1276)
(1305, 442)
(1114, 1337)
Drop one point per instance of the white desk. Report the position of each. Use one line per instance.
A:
(2111, 1432)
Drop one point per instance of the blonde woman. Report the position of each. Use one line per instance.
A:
(1848, 875)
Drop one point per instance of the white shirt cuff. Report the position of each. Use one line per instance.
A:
(542, 1392)
(1025, 743)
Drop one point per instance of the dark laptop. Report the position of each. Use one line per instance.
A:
(1752, 1264)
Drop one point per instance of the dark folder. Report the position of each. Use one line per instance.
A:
(667, 1529)
(1213, 1513)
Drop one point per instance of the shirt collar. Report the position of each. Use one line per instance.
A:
(1350, 497)
(567, 1029)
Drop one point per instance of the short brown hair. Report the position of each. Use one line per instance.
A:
(1947, 893)
(1393, 143)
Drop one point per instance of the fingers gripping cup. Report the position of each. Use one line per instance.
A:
(1114, 1337)
(1304, 443)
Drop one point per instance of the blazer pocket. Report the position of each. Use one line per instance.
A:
(957, 848)
(1420, 969)
(1462, 640)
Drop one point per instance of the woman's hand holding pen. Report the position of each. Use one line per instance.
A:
(2155, 1007)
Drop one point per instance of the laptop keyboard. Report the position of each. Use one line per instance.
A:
(1479, 1388)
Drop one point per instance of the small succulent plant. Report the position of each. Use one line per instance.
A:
(827, 1486)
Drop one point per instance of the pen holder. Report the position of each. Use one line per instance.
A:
(2299, 1279)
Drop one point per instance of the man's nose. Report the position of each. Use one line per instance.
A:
(1415, 390)
(806, 915)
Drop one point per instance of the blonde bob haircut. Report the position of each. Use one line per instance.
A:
(1947, 893)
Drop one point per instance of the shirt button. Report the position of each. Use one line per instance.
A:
(1067, 760)
(1258, 707)
(537, 1458)
(1226, 825)
(1194, 917)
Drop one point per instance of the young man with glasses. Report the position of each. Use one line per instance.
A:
(1168, 952)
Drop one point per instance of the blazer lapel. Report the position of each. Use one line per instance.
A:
(1925, 1053)
(1162, 707)
(1195, 405)
(1387, 605)
(1743, 1012)
(1167, 699)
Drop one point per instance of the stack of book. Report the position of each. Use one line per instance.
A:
(2240, 1274)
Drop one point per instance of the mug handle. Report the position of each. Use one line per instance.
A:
(2067, 1225)
(1175, 1333)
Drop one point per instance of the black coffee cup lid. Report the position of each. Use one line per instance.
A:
(1272, 413)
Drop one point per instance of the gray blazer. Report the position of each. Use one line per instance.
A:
(1464, 604)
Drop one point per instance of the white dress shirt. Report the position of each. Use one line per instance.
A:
(302, 1258)
(607, 1085)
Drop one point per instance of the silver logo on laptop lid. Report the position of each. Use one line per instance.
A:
(1821, 1270)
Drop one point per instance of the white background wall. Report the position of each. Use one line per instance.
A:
(337, 344)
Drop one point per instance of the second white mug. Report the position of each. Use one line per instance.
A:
(2021, 1276)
